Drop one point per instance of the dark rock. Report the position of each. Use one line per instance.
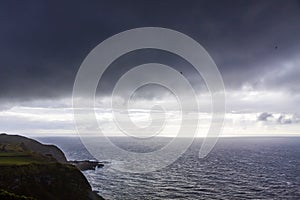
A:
(86, 164)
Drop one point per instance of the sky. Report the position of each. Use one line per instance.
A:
(255, 45)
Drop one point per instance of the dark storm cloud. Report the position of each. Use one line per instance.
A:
(44, 42)
(281, 119)
(265, 116)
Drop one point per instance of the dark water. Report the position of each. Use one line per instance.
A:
(237, 168)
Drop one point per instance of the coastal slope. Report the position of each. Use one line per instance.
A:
(39, 171)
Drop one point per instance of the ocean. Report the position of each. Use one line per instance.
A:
(237, 168)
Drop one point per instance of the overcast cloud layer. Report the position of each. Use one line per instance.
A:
(43, 43)
(255, 44)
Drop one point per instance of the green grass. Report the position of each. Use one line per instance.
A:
(19, 160)
(16, 154)
(11, 196)
(23, 158)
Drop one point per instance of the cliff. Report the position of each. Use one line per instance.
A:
(31, 170)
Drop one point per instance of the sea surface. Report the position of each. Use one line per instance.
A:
(237, 168)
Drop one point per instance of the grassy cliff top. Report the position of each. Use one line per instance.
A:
(16, 154)
(29, 148)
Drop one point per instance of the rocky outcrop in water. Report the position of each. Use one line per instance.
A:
(86, 164)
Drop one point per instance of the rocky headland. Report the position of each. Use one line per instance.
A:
(31, 170)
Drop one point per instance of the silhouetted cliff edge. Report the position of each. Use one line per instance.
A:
(31, 170)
